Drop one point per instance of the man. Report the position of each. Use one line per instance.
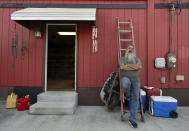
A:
(130, 67)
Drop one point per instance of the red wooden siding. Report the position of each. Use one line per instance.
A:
(4, 47)
(28, 69)
(95, 68)
(180, 46)
(151, 27)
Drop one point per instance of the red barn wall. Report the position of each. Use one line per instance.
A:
(28, 70)
(151, 28)
(180, 46)
(95, 68)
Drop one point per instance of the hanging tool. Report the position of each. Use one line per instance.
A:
(120, 50)
(24, 48)
(12, 50)
(13, 46)
(16, 46)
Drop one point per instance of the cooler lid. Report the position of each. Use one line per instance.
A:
(163, 98)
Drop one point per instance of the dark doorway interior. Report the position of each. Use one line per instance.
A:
(61, 58)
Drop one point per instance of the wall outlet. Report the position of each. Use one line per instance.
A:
(163, 80)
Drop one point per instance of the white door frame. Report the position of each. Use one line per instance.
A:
(46, 54)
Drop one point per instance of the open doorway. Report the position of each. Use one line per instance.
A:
(61, 60)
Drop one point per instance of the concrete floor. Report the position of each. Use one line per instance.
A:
(88, 118)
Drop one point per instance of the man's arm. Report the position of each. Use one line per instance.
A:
(135, 66)
(129, 67)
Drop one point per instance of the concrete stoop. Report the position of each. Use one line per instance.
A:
(55, 103)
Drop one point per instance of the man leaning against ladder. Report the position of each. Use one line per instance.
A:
(130, 67)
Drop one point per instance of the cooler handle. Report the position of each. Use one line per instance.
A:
(151, 110)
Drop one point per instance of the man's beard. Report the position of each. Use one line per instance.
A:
(130, 57)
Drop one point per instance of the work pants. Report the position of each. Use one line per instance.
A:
(131, 89)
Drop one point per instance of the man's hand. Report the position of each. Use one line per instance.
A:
(122, 66)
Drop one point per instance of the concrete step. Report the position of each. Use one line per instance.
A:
(53, 108)
(55, 103)
(58, 96)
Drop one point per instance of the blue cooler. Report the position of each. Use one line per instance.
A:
(162, 105)
(143, 94)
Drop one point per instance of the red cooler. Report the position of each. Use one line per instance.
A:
(151, 91)
(23, 103)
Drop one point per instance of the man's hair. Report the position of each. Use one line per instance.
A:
(130, 45)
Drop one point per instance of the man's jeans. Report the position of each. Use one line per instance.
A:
(131, 89)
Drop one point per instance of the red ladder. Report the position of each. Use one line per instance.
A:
(120, 50)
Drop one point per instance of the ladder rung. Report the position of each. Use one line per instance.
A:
(124, 22)
(123, 49)
(125, 31)
(126, 40)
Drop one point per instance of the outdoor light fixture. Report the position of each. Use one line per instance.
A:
(37, 33)
(66, 33)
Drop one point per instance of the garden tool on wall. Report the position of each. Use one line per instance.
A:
(12, 50)
(94, 39)
(14, 44)
(24, 48)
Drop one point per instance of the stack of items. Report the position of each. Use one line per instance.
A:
(160, 106)
(21, 104)
(151, 91)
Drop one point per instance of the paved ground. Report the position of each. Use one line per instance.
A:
(88, 118)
